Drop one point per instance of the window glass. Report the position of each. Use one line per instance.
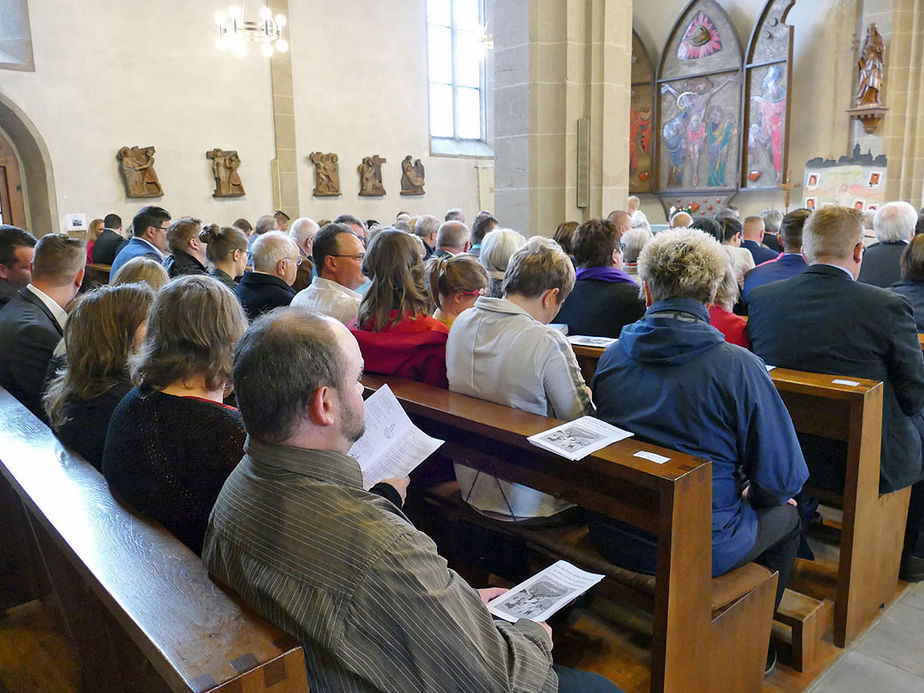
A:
(441, 110)
(440, 40)
(439, 12)
(468, 125)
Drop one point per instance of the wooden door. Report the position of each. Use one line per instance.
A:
(12, 209)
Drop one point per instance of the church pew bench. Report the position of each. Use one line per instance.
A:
(137, 604)
(95, 275)
(873, 524)
(921, 341)
(693, 647)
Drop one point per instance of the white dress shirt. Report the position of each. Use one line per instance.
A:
(329, 298)
(60, 315)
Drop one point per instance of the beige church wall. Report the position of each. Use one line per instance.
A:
(359, 71)
(822, 84)
(108, 75)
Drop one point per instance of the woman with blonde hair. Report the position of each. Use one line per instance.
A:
(172, 442)
(226, 249)
(93, 231)
(102, 331)
(455, 283)
(142, 269)
(394, 329)
(496, 249)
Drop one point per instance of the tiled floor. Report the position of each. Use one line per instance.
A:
(888, 657)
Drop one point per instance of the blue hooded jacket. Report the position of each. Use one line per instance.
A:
(673, 381)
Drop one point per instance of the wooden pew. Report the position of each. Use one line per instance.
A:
(693, 647)
(921, 341)
(96, 275)
(873, 525)
(127, 588)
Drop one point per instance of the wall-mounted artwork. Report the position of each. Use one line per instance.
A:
(856, 181)
(641, 103)
(699, 104)
(370, 176)
(326, 174)
(766, 106)
(225, 163)
(412, 176)
(136, 164)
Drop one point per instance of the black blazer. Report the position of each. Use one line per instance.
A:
(259, 293)
(107, 246)
(759, 253)
(28, 337)
(882, 264)
(181, 264)
(600, 309)
(821, 321)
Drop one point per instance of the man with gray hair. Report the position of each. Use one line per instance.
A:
(303, 231)
(32, 323)
(894, 225)
(454, 214)
(453, 238)
(707, 398)
(427, 227)
(269, 285)
(824, 321)
(773, 220)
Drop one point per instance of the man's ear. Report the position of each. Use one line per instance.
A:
(647, 294)
(858, 253)
(78, 280)
(550, 296)
(321, 407)
(5, 273)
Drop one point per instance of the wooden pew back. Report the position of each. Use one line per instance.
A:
(673, 500)
(98, 553)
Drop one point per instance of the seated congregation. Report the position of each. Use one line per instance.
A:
(216, 382)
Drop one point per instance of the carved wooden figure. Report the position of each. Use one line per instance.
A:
(224, 168)
(326, 174)
(871, 66)
(370, 176)
(412, 177)
(137, 167)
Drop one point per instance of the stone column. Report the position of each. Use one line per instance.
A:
(556, 62)
(903, 136)
(285, 165)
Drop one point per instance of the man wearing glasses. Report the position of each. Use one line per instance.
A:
(275, 266)
(149, 229)
(338, 258)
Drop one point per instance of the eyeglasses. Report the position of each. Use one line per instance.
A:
(358, 256)
(164, 228)
(297, 260)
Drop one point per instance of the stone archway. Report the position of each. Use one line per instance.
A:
(38, 183)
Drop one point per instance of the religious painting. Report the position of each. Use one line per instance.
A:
(766, 101)
(699, 107)
(640, 108)
(412, 176)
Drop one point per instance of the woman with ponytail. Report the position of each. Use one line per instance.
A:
(455, 283)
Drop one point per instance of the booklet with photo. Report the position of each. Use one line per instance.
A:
(577, 439)
(392, 445)
(584, 340)
(544, 593)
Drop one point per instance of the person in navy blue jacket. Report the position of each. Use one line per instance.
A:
(673, 380)
(752, 232)
(275, 265)
(789, 263)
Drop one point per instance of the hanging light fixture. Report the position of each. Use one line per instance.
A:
(235, 32)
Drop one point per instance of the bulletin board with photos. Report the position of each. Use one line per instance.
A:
(848, 185)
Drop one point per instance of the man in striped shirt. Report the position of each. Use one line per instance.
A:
(341, 569)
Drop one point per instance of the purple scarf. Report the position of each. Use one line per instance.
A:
(604, 274)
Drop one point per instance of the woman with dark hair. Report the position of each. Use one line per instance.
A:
(172, 442)
(911, 285)
(394, 329)
(455, 283)
(226, 249)
(102, 331)
(563, 235)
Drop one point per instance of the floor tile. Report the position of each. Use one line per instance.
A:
(856, 672)
(896, 638)
(914, 596)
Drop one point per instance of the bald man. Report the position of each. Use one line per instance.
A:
(681, 220)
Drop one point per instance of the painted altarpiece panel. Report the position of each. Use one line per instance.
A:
(641, 106)
(766, 103)
(699, 109)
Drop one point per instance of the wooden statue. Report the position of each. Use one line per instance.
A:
(412, 177)
(370, 176)
(224, 168)
(137, 167)
(326, 174)
(871, 66)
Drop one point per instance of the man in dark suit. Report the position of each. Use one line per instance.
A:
(110, 241)
(149, 239)
(604, 298)
(275, 263)
(16, 249)
(753, 233)
(773, 218)
(894, 224)
(32, 323)
(787, 265)
(824, 321)
(187, 252)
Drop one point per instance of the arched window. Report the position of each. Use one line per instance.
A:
(456, 50)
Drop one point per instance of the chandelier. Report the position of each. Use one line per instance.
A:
(235, 32)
